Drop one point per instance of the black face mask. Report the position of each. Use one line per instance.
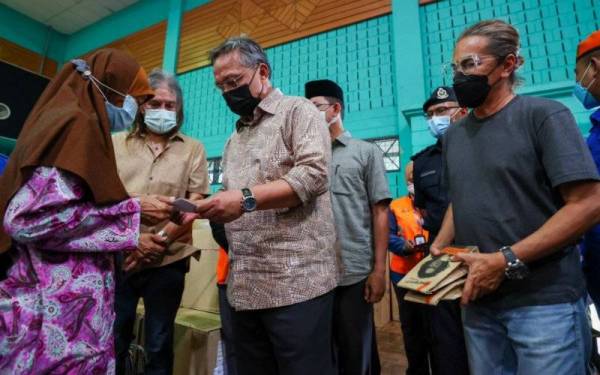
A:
(240, 100)
(472, 90)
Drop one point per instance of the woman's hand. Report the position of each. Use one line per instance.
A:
(155, 208)
(151, 249)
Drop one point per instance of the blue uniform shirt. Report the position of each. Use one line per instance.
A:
(3, 162)
(591, 242)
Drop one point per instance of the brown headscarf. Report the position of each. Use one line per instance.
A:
(69, 129)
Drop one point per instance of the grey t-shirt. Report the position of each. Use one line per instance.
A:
(502, 173)
(358, 180)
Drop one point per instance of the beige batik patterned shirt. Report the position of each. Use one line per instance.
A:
(283, 256)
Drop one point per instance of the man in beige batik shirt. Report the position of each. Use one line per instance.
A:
(156, 159)
(279, 221)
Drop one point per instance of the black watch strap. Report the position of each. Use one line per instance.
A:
(246, 192)
(508, 254)
(248, 200)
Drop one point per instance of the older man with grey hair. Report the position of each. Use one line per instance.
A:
(279, 220)
(155, 159)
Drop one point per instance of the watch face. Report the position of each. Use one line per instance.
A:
(249, 204)
(517, 271)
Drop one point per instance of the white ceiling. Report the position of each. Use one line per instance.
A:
(67, 16)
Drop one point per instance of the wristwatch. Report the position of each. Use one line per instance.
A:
(515, 269)
(248, 200)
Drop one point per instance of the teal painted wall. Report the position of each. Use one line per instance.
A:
(550, 31)
(388, 70)
(132, 19)
(386, 65)
(30, 34)
(358, 57)
(116, 26)
(172, 35)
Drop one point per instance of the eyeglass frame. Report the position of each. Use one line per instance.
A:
(440, 111)
(325, 105)
(477, 59)
(223, 86)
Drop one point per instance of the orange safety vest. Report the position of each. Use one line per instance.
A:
(408, 227)
(222, 267)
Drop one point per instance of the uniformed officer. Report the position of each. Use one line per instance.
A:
(406, 240)
(447, 346)
(441, 110)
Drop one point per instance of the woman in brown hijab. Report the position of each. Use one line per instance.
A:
(66, 214)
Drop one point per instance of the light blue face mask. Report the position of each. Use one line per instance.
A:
(160, 121)
(583, 94)
(438, 125)
(120, 118)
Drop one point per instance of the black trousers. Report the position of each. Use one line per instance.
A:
(415, 333)
(289, 340)
(447, 340)
(354, 332)
(161, 288)
(226, 311)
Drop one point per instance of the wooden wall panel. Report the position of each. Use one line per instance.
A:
(26, 59)
(146, 46)
(269, 22)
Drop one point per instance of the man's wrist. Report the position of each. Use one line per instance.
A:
(379, 269)
(500, 260)
(248, 202)
(515, 269)
(438, 245)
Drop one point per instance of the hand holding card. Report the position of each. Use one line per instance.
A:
(183, 205)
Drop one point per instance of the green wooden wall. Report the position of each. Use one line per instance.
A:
(389, 65)
(358, 57)
(550, 32)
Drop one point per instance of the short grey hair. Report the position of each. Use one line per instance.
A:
(159, 77)
(251, 53)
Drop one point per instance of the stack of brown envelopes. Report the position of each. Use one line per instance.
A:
(437, 278)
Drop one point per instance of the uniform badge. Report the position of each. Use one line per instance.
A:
(442, 93)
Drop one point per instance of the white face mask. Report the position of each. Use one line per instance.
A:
(411, 189)
(330, 122)
(160, 121)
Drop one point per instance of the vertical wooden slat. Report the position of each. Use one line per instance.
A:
(146, 46)
(26, 59)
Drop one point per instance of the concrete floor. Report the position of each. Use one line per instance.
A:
(391, 349)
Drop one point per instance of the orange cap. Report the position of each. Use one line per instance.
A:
(591, 43)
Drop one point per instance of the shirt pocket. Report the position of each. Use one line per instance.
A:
(346, 180)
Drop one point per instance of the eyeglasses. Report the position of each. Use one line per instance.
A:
(322, 106)
(440, 111)
(233, 83)
(467, 65)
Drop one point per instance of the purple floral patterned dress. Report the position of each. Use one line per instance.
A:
(56, 305)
